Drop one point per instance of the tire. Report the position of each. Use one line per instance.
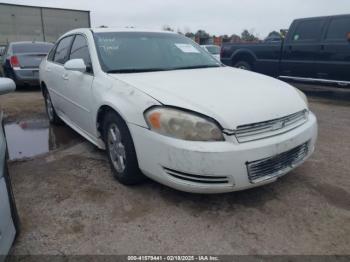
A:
(243, 65)
(120, 150)
(50, 110)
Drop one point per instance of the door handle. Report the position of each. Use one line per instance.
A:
(65, 76)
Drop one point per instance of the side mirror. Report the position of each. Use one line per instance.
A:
(75, 65)
(6, 85)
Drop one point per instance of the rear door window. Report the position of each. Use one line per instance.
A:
(308, 30)
(338, 29)
(62, 50)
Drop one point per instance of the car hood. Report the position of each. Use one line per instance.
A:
(231, 96)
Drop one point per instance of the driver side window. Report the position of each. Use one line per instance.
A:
(80, 50)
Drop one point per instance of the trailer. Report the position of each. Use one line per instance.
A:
(35, 23)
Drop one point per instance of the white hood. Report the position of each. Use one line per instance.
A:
(233, 97)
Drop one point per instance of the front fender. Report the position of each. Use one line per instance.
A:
(126, 100)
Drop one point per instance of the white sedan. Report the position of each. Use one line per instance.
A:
(214, 50)
(163, 107)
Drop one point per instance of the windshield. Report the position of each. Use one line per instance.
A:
(213, 49)
(129, 52)
(42, 48)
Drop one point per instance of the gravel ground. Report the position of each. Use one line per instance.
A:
(69, 203)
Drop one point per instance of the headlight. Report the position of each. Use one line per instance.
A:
(182, 125)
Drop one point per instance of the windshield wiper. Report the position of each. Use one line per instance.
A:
(142, 70)
(195, 67)
(136, 70)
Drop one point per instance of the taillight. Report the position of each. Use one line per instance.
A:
(14, 61)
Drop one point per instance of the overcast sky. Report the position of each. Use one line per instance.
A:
(214, 16)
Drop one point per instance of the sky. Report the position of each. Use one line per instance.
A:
(217, 17)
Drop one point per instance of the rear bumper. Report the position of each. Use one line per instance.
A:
(213, 160)
(26, 76)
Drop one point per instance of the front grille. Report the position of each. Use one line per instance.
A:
(267, 168)
(197, 178)
(250, 132)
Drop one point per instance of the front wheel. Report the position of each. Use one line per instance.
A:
(120, 150)
(243, 65)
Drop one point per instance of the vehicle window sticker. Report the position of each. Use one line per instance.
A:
(187, 48)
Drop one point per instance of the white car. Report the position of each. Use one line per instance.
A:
(9, 223)
(162, 106)
(214, 50)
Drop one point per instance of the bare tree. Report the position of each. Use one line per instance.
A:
(167, 28)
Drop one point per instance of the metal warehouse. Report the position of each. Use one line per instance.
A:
(32, 23)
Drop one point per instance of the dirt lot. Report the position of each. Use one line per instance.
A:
(70, 204)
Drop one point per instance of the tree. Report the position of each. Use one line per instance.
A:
(274, 34)
(284, 32)
(248, 36)
(167, 28)
(202, 34)
(190, 35)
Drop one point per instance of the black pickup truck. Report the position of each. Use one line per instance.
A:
(315, 49)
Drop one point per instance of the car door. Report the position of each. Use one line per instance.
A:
(334, 61)
(8, 215)
(78, 86)
(301, 48)
(56, 74)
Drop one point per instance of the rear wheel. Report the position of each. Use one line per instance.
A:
(120, 150)
(50, 110)
(243, 65)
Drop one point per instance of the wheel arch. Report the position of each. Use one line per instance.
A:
(244, 55)
(101, 113)
(43, 87)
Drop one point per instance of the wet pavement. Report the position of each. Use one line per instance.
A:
(331, 94)
(69, 202)
(32, 137)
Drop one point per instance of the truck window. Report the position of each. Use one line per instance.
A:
(308, 30)
(338, 28)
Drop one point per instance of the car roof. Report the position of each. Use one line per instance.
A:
(127, 29)
(29, 42)
(115, 29)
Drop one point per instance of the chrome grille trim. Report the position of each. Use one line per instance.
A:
(256, 131)
(196, 178)
(267, 168)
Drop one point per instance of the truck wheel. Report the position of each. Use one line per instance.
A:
(243, 65)
(120, 150)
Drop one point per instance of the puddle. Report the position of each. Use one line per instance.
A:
(34, 137)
